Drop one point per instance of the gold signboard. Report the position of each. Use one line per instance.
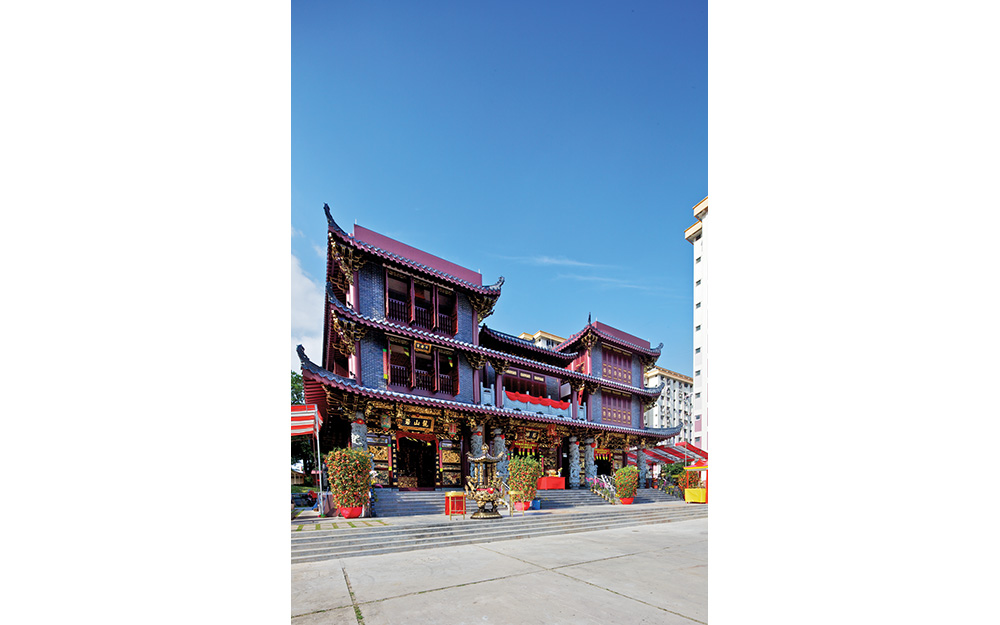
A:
(421, 348)
(416, 423)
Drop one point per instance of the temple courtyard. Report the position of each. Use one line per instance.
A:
(646, 574)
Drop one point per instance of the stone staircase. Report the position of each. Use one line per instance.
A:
(392, 502)
(653, 495)
(325, 544)
(574, 498)
(411, 503)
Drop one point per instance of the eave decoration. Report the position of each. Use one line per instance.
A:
(647, 361)
(499, 364)
(588, 339)
(346, 260)
(476, 360)
(346, 404)
(345, 333)
(483, 304)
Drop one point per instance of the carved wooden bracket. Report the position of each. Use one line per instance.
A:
(476, 360)
(588, 339)
(483, 304)
(346, 333)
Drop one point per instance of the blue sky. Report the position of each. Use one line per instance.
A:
(560, 145)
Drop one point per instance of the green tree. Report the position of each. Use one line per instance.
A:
(303, 447)
(298, 390)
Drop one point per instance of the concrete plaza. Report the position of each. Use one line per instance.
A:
(647, 574)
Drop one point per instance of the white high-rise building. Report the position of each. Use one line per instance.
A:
(696, 237)
(673, 406)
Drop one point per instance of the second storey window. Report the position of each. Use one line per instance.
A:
(517, 381)
(616, 408)
(417, 365)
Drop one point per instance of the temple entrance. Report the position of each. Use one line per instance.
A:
(603, 467)
(416, 460)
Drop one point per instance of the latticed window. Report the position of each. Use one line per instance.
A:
(616, 365)
(616, 409)
(411, 302)
(416, 365)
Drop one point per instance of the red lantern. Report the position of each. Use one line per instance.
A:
(452, 428)
(593, 445)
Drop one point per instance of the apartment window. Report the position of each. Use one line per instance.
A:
(697, 373)
(697, 328)
(698, 305)
(698, 260)
(697, 417)
(697, 395)
(697, 350)
(697, 283)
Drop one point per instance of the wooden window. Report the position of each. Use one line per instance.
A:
(447, 366)
(397, 298)
(400, 364)
(616, 409)
(423, 306)
(517, 381)
(616, 365)
(447, 312)
(417, 365)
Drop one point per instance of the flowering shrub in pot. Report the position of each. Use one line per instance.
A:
(626, 481)
(350, 478)
(524, 474)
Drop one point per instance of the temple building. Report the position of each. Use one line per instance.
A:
(411, 372)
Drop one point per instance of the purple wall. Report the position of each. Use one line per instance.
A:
(391, 245)
(621, 335)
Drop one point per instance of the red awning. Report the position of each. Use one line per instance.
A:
(698, 452)
(305, 419)
(653, 455)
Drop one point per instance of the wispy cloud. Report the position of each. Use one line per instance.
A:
(614, 283)
(307, 314)
(551, 261)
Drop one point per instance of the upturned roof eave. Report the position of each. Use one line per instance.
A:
(531, 365)
(492, 290)
(327, 378)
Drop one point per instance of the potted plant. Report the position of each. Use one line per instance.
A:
(626, 481)
(350, 480)
(690, 483)
(524, 474)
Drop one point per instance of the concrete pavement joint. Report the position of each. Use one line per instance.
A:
(577, 579)
(357, 608)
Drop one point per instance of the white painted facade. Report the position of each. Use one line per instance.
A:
(674, 405)
(696, 236)
(543, 339)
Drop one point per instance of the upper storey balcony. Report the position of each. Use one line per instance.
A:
(420, 305)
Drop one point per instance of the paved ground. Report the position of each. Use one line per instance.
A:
(647, 574)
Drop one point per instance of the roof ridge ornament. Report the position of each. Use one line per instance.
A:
(330, 222)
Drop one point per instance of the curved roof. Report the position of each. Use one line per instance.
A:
(492, 290)
(608, 338)
(311, 370)
(511, 359)
(529, 346)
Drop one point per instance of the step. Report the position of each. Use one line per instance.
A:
(370, 541)
(479, 529)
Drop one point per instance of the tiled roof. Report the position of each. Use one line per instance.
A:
(511, 359)
(655, 351)
(516, 341)
(328, 378)
(492, 289)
